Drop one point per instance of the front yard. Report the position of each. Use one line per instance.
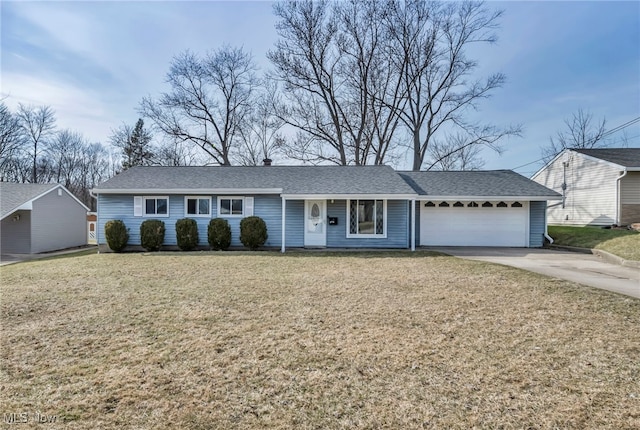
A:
(313, 341)
(623, 243)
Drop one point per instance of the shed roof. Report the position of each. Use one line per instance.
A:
(287, 180)
(626, 157)
(13, 195)
(485, 183)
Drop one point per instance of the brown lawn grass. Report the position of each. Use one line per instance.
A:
(313, 341)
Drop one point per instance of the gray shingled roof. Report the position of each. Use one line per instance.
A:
(292, 180)
(491, 183)
(13, 195)
(627, 157)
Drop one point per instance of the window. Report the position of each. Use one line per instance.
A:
(197, 206)
(444, 205)
(156, 206)
(235, 206)
(429, 205)
(472, 205)
(458, 205)
(516, 205)
(367, 218)
(487, 205)
(502, 205)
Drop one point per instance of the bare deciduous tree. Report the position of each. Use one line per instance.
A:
(260, 137)
(11, 140)
(456, 153)
(432, 40)
(208, 102)
(581, 133)
(38, 124)
(340, 89)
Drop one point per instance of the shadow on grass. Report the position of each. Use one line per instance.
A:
(301, 253)
(586, 237)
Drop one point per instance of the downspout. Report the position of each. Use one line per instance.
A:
(618, 199)
(546, 227)
(413, 224)
(284, 235)
(95, 196)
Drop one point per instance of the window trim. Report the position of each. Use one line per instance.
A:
(156, 215)
(367, 235)
(198, 215)
(244, 207)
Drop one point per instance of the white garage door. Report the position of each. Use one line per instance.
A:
(465, 224)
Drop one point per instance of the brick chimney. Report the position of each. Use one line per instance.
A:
(266, 162)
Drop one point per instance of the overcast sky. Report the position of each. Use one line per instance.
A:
(94, 61)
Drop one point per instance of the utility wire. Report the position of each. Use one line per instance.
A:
(605, 134)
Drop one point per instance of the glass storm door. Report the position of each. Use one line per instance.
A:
(315, 223)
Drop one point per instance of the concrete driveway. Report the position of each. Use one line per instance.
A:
(584, 269)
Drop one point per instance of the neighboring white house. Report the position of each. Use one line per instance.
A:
(39, 218)
(598, 186)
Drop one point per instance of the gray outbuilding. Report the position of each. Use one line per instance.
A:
(40, 218)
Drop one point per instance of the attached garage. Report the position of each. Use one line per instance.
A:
(479, 208)
(449, 223)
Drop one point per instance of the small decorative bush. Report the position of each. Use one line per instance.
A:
(117, 235)
(152, 234)
(253, 232)
(219, 234)
(187, 234)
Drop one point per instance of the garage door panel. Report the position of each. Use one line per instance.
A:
(474, 226)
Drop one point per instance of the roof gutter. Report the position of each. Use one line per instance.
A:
(618, 199)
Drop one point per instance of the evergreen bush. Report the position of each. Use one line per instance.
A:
(117, 235)
(152, 234)
(253, 232)
(219, 234)
(187, 234)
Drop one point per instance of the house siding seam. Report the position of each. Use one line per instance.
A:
(57, 222)
(537, 214)
(590, 193)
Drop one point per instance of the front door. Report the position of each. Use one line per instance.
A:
(315, 223)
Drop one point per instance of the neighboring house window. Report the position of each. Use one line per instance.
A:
(151, 206)
(367, 218)
(235, 206)
(197, 206)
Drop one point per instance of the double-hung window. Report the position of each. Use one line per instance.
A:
(367, 218)
(196, 206)
(235, 206)
(151, 206)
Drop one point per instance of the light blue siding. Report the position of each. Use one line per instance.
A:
(121, 207)
(537, 222)
(397, 227)
(295, 223)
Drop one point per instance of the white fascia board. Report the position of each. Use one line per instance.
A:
(549, 163)
(349, 196)
(489, 198)
(189, 191)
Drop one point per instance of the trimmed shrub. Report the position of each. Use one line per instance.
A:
(117, 235)
(152, 234)
(253, 232)
(219, 234)
(187, 234)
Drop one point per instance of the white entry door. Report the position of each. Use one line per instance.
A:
(315, 223)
